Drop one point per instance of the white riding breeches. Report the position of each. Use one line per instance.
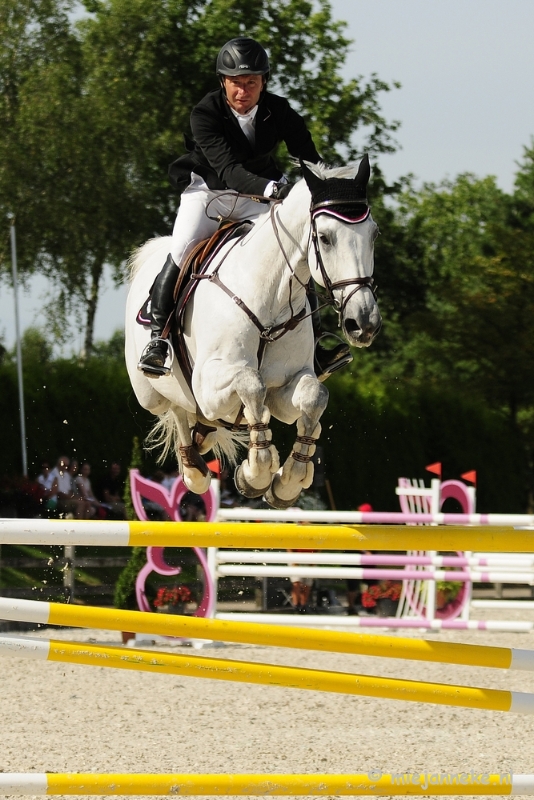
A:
(193, 224)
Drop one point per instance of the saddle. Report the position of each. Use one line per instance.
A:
(192, 271)
(193, 266)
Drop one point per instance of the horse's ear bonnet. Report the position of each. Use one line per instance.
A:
(340, 197)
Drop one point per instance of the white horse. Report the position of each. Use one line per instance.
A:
(249, 335)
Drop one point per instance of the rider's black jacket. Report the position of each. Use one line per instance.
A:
(223, 155)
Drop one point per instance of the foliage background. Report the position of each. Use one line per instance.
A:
(373, 430)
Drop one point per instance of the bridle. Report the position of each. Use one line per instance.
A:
(331, 208)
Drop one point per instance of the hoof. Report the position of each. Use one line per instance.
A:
(277, 502)
(245, 488)
(197, 483)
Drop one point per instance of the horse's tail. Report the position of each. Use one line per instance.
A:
(165, 436)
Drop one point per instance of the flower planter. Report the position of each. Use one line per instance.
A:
(176, 608)
(385, 607)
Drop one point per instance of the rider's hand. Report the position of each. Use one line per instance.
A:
(281, 190)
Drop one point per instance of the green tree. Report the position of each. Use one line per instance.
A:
(92, 113)
(35, 347)
(59, 173)
(472, 274)
(34, 39)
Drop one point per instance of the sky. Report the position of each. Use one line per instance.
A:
(465, 105)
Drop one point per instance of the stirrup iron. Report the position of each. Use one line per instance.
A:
(156, 371)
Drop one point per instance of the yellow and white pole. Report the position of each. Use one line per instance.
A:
(267, 674)
(402, 784)
(247, 535)
(45, 613)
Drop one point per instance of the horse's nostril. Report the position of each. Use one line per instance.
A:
(351, 326)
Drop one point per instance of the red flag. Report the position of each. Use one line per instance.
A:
(214, 466)
(470, 476)
(435, 468)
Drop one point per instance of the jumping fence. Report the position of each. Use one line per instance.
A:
(249, 536)
(420, 505)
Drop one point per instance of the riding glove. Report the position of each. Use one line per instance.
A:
(281, 190)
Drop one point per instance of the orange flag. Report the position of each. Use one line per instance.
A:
(435, 468)
(214, 466)
(470, 476)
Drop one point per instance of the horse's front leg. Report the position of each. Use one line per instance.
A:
(310, 398)
(254, 475)
(175, 428)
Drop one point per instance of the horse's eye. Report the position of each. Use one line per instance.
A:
(376, 233)
(323, 238)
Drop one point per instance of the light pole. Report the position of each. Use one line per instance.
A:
(19, 348)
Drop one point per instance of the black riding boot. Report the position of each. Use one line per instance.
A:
(326, 361)
(152, 361)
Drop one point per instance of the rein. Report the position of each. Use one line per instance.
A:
(273, 333)
(268, 334)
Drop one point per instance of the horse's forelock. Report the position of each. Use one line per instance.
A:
(323, 171)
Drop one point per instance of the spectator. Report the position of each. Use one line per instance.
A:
(49, 495)
(192, 508)
(301, 587)
(300, 593)
(84, 490)
(154, 510)
(170, 477)
(111, 492)
(67, 503)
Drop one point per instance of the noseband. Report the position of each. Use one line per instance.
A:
(333, 209)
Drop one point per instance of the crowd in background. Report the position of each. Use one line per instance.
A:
(66, 491)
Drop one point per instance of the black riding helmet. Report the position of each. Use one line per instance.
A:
(242, 56)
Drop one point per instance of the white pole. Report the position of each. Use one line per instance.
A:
(435, 507)
(19, 349)
(211, 558)
(69, 552)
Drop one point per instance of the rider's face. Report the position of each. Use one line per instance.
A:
(243, 91)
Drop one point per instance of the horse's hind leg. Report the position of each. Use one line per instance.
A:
(254, 475)
(311, 398)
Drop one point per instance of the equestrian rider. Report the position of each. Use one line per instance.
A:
(236, 129)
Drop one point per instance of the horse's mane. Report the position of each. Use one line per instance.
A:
(141, 254)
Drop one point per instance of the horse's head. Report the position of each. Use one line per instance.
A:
(341, 256)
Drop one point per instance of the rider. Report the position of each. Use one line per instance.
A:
(236, 128)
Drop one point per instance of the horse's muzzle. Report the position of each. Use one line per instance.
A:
(361, 335)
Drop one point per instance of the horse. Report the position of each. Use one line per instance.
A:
(248, 334)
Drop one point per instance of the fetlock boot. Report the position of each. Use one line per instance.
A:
(326, 361)
(153, 357)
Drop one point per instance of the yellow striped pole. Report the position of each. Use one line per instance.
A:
(267, 674)
(246, 535)
(265, 635)
(400, 784)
